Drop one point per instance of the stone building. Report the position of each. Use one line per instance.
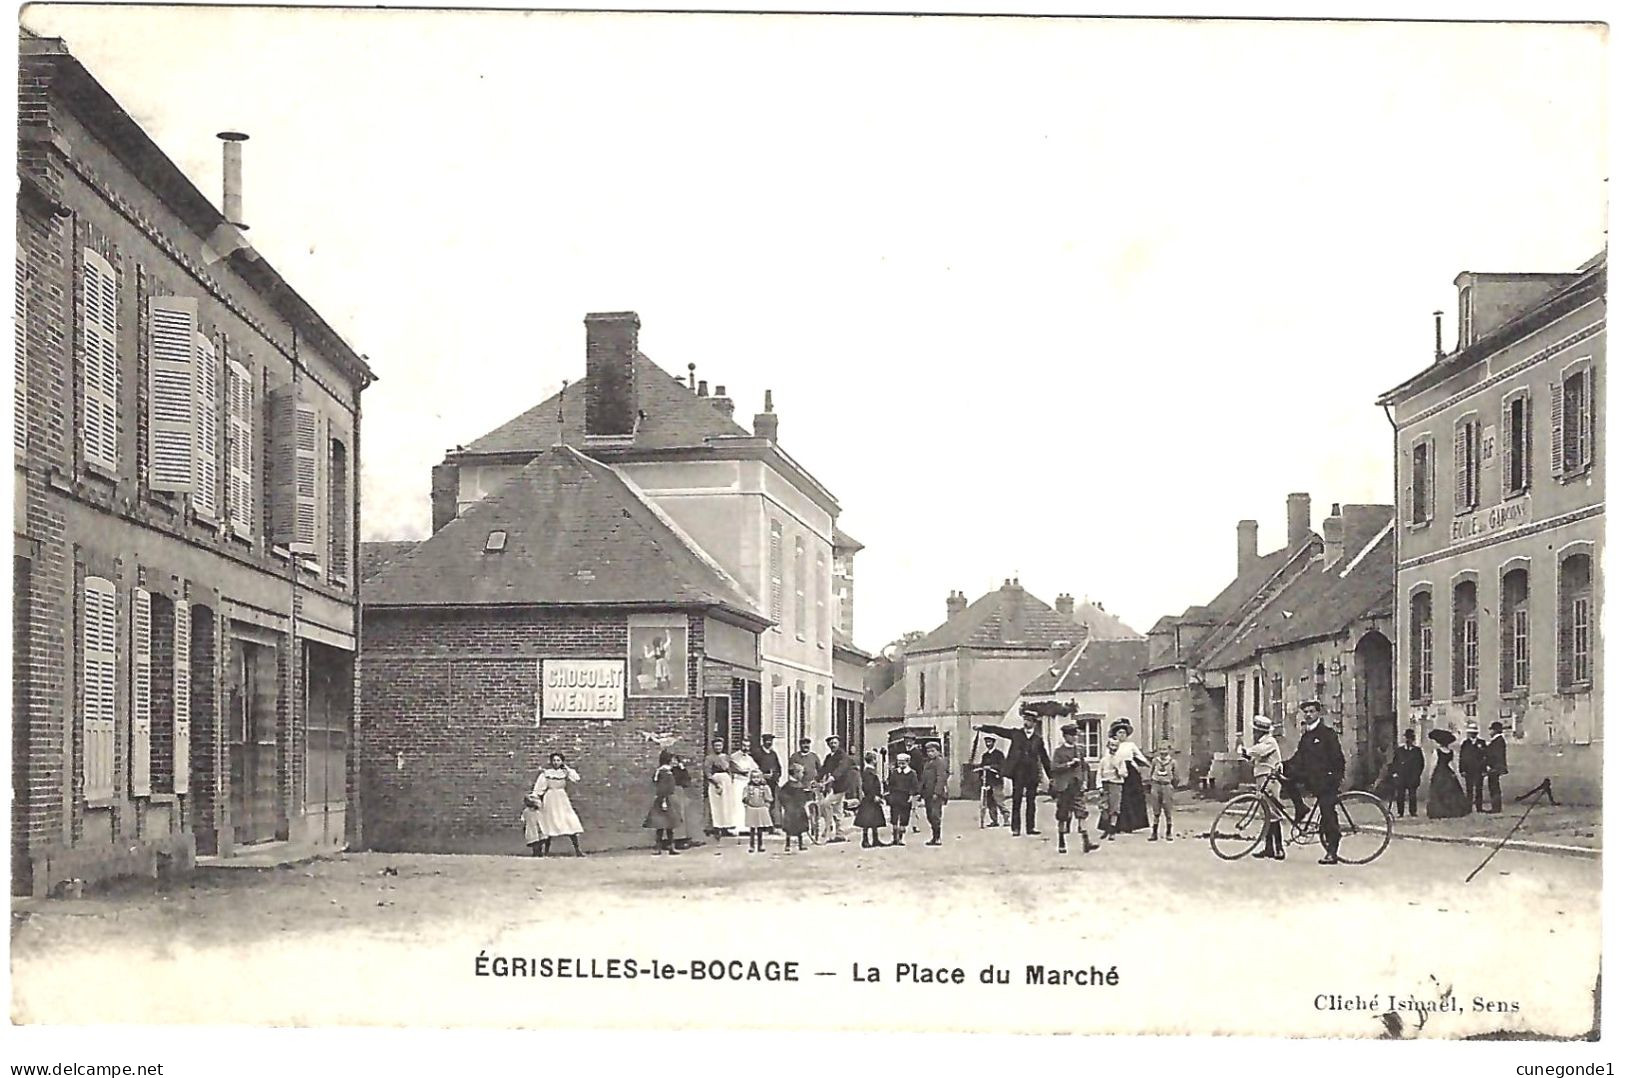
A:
(186, 435)
(738, 495)
(1499, 583)
(1100, 680)
(564, 613)
(971, 668)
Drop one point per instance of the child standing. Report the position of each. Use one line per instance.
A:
(870, 817)
(758, 809)
(1067, 780)
(793, 796)
(1266, 757)
(664, 815)
(1162, 788)
(901, 791)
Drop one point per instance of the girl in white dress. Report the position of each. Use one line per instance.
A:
(557, 817)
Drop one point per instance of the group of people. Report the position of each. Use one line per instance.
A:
(751, 792)
(1127, 778)
(1315, 771)
(1482, 765)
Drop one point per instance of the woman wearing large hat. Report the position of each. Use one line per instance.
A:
(1446, 799)
(1131, 813)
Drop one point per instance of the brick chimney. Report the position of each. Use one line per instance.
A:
(612, 383)
(1010, 613)
(442, 495)
(722, 402)
(1333, 534)
(956, 602)
(1064, 604)
(766, 423)
(1297, 520)
(1246, 545)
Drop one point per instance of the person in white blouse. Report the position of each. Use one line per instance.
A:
(557, 817)
(1265, 754)
(1128, 765)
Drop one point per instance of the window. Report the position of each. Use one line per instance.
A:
(1515, 631)
(294, 466)
(821, 715)
(1469, 447)
(182, 689)
(1573, 413)
(99, 371)
(1421, 491)
(1241, 706)
(1464, 639)
(1515, 444)
(1421, 647)
(1260, 700)
(1165, 728)
(1464, 320)
(775, 572)
(801, 711)
(1089, 727)
(19, 344)
(821, 591)
(240, 449)
(206, 435)
(338, 511)
(328, 677)
(1277, 699)
(922, 690)
(801, 589)
(171, 392)
(97, 668)
(1320, 680)
(141, 693)
(1574, 651)
(496, 542)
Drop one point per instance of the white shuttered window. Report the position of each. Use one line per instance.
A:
(172, 403)
(141, 693)
(183, 695)
(294, 468)
(98, 665)
(99, 373)
(240, 449)
(206, 440)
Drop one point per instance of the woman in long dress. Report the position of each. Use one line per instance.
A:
(1132, 816)
(719, 791)
(1446, 799)
(557, 818)
(665, 814)
(690, 805)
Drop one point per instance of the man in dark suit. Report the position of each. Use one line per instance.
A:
(1472, 766)
(1495, 763)
(772, 769)
(1027, 763)
(1317, 768)
(1405, 773)
(991, 771)
(934, 789)
(835, 769)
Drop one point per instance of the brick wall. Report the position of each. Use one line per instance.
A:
(446, 755)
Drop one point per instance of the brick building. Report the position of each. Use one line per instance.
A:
(1178, 694)
(971, 668)
(1499, 582)
(737, 494)
(569, 576)
(186, 431)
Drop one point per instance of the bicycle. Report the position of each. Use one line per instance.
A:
(1239, 827)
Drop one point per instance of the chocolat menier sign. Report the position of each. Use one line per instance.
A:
(583, 689)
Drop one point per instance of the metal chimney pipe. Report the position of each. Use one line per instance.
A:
(1438, 335)
(232, 150)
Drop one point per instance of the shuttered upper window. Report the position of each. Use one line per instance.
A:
(141, 692)
(294, 466)
(240, 449)
(1421, 488)
(206, 435)
(775, 573)
(338, 510)
(99, 369)
(1573, 419)
(1515, 444)
(1469, 458)
(821, 589)
(98, 681)
(171, 392)
(801, 589)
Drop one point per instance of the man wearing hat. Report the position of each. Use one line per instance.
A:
(1265, 755)
(991, 769)
(934, 789)
(1472, 766)
(1317, 768)
(1027, 762)
(1405, 773)
(1495, 764)
(1067, 785)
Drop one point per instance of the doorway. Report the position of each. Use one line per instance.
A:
(1376, 727)
(252, 742)
(328, 708)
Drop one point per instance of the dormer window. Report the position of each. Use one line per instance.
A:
(496, 542)
(1464, 327)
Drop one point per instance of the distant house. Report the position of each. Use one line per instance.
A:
(565, 613)
(971, 668)
(1100, 679)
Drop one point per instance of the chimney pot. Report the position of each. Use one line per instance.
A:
(1438, 336)
(1333, 526)
(956, 603)
(705, 390)
(722, 390)
(1246, 545)
(1065, 604)
(767, 424)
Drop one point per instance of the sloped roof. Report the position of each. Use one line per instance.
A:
(374, 556)
(1322, 601)
(1101, 625)
(889, 704)
(982, 624)
(1095, 666)
(577, 533)
(674, 417)
(844, 541)
(844, 643)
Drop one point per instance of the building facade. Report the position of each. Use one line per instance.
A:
(1099, 682)
(737, 494)
(1498, 455)
(186, 432)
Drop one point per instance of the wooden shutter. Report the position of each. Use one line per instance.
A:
(20, 352)
(800, 570)
(1461, 467)
(338, 510)
(141, 693)
(293, 471)
(1510, 449)
(1586, 414)
(172, 403)
(98, 664)
(1557, 428)
(240, 449)
(183, 695)
(781, 713)
(206, 446)
(100, 373)
(775, 560)
(821, 589)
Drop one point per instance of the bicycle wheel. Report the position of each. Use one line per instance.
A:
(1366, 825)
(1239, 827)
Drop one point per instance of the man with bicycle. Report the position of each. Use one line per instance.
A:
(1317, 769)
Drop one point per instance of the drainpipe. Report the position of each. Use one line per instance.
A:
(1401, 617)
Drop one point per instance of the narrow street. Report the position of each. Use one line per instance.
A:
(1200, 945)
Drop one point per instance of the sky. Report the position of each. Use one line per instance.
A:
(1059, 299)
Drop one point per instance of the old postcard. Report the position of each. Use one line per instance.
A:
(809, 522)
